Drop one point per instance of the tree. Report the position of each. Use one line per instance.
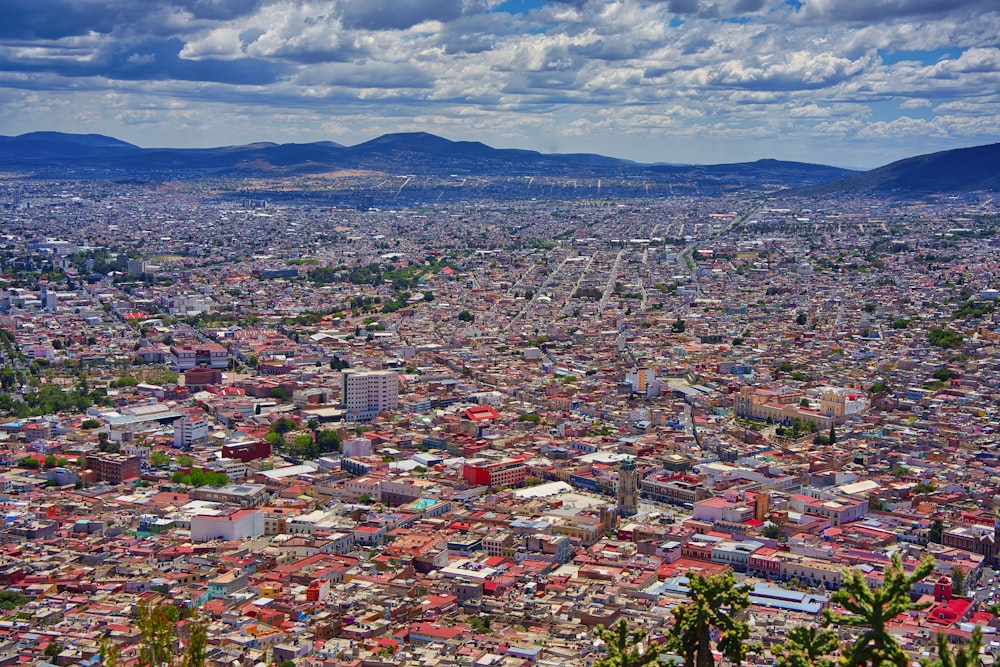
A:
(957, 580)
(805, 646)
(159, 459)
(50, 461)
(679, 326)
(89, 424)
(965, 656)
(286, 663)
(936, 531)
(110, 652)
(197, 640)
(801, 318)
(716, 605)
(327, 441)
(465, 315)
(873, 609)
(771, 531)
(833, 433)
(626, 648)
(157, 637)
(53, 650)
(365, 499)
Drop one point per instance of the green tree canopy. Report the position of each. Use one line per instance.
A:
(716, 604)
(626, 648)
(873, 609)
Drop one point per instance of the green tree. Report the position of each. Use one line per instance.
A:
(50, 461)
(715, 602)
(936, 531)
(679, 326)
(157, 636)
(89, 424)
(965, 656)
(197, 640)
(365, 499)
(327, 441)
(801, 319)
(159, 459)
(771, 531)
(626, 648)
(109, 652)
(465, 315)
(957, 580)
(806, 646)
(286, 663)
(53, 650)
(872, 609)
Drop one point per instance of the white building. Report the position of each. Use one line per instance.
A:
(239, 525)
(366, 394)
(191, 430)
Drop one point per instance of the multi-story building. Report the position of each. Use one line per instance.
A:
(679, 489)
(509, 472)
(190, 430)
(204, 355)
(366, 394)
(114, 468)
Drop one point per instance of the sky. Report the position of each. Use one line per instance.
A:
(854, 83)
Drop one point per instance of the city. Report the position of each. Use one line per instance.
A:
(475, 431)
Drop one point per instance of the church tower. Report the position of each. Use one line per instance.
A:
(628, 487)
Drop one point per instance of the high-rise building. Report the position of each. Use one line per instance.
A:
(628, 487)
(366, 394)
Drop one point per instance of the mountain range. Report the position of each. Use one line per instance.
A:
(92, 155)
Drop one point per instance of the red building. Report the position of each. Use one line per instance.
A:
(509, 472)
(247, 451)
(114, 468)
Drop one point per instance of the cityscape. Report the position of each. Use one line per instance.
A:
(500, 333)
(477, 432)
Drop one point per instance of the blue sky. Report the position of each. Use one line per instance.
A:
(846, 82)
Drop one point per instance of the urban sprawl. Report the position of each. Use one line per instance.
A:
(471, 433)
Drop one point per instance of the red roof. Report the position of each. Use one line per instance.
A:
(481, 412)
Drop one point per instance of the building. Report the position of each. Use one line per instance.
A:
(628, 487)
(205, 355)
(114, 468)
(366, 394)
(191, 430)
(246, 451)
(509, 472)
(238, 525)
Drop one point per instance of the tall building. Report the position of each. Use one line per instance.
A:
(366, 394)
(628, 487)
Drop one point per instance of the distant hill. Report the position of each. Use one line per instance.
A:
(958, 170)
(416, 153)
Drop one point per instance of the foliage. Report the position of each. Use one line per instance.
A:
(873, 609)
(900, 323)
(805, 646)
(625, 648)
(29, 462)
(936, 531)
(365, 499)
(944, 338)
(197, 640)
(965, 656)
(465, 315)
(679, 326)
(771, 531)
(715, 608)
(89, 424)
(957, 575)
(156, 628)
(12, 600)
(159, 459)
(200, 477)
(532, 417)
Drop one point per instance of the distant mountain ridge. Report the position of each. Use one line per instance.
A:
(957, 170)
(421, 153)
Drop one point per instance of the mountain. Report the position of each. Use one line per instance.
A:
(443, 163)
(958, 170)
